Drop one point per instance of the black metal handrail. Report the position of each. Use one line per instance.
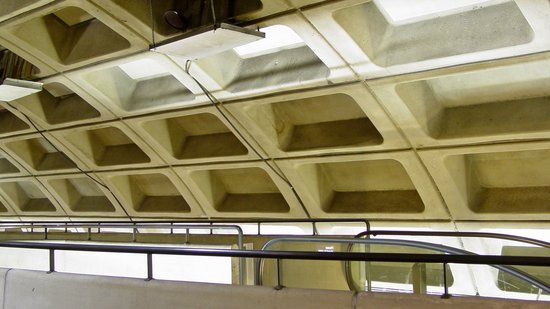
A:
(258, 222)
(279, 255)
(410, 243)
(522, 239)
(134, 228)
(295, 255)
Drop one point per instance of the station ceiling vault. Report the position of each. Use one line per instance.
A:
(386, 110)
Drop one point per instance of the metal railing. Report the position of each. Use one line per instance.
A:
(167, 224)
(453, 255)
(522, 239)
(134, 229)
(374, 233)
(469, 256)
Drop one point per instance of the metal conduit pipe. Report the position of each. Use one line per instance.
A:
(399, 242)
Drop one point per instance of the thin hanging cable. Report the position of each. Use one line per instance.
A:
(213, 13)
(152, 16)
(69, 159)
(214, 101)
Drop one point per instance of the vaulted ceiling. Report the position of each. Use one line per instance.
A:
(387, 110)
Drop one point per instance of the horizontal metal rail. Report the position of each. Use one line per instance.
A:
(296, 255)
(258, 222)
(522, 239)
(134, 228)
(450, 251)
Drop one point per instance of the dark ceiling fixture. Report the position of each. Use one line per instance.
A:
(204, 41)
(175, 19)
(13, 71)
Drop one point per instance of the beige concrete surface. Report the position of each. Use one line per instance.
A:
(499, 101)
(152, 193)
(12, 122)
(327, 120)
(9, 167)
(62, 104)
(385, 110)
(389, 185)
(241, 190)
(398, 301)
(146, 82)
(108, 146)
(11, 8)
(431, 36)
(27, 196)
(79, 195)
(511, 181)
(94, 34)
(39, 154)
(32, 289)
(196, 135)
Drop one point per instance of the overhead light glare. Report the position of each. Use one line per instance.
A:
(13, 89)
(143, 68)
(276, 37)
(13, 73)
(208, 41)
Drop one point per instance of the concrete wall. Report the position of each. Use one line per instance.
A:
(32, 289)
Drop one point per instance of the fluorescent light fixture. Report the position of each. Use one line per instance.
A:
(13, 89)
(208, 41)
(277, 37)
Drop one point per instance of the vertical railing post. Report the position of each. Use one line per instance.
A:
(52, 260)
(149, 266)
(279, 276)
(445, 287)
(186, 236)
(314, 228)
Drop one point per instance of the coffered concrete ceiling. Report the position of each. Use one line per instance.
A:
(387, 110)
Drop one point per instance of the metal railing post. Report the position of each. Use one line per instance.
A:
(149, 266)
(445, 287)
(279, 276)
(52, 260)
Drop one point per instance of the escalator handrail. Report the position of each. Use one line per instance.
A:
(522, 239)
(397, 242)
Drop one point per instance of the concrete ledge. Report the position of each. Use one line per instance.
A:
(33, 289)
(29, 289)
(3, 275)
(398, 301)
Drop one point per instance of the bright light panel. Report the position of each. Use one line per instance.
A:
(276, 37)
(13, 89)
(400, 10)
(143, 68)
(208, 41)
